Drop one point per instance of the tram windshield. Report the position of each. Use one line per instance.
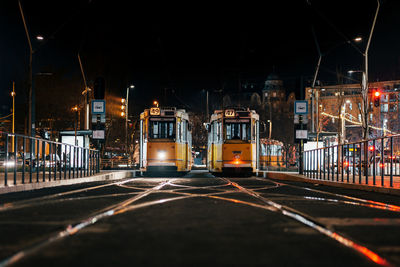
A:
(238, 131)
(162, 129)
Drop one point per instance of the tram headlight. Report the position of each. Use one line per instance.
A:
(161, 155)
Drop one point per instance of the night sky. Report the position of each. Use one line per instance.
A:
(190, 46)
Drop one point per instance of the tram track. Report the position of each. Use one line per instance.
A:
(177, 193)
(354, 200)
(313, 223)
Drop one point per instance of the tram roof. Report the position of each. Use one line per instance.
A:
(166, 112)
(237, 113)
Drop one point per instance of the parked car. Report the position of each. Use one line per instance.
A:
(10, 162)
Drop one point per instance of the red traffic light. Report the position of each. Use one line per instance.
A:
(371, 148)
(377, 93)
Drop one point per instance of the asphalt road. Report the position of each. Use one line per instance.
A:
(199, 220)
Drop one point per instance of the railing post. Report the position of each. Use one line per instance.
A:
(30, 159)
(37, 160)
(15, 159)
(6, 161)
(391, 161)
(50, 159)
(382, 161)
(44, 159)
(360, 163)
(354, 163)
(328, 162)
(23, 159)
(81, 149)
(366, 154)
(65, 162)
(374, 157)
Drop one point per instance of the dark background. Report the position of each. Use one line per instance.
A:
(173, 51)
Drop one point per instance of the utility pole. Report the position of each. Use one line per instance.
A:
(31, 90)
(86, 94)
(13, 117)
(365, 79)
(207, 104)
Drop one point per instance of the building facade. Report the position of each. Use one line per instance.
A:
(339, 109)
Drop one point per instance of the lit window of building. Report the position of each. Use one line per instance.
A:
(384, 107)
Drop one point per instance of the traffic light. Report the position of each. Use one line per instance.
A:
(123, 107)
(377, 98)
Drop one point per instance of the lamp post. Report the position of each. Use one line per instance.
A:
(126, 117)
(314, 92)
(270, 128)
(365, 78)
(76, 110)
(13, 117)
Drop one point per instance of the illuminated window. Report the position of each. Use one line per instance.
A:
(161, 129)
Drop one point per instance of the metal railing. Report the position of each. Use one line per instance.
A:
(25, 159)
(371, 162)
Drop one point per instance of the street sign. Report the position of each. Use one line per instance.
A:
(98, 134)
(98, 107)
(296, 119)
(301, 134)
(99, 118)
(301, 107)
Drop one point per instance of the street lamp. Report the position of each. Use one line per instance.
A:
(126, 116)
(13, 116)
(314, 92)
(77, 113)
(270, 128)
(365, 80)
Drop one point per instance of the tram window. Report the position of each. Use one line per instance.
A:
(184, 132)
(178, 137)
(238, 131)
(160, 129)
(214, 132)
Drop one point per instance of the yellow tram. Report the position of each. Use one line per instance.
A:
(233, 141)
(165, 141)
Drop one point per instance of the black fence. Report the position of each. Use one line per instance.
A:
(372, 162)
(25, 159)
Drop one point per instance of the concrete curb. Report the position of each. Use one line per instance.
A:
(95, 178)
(301, 178)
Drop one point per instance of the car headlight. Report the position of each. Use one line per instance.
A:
(9, 163)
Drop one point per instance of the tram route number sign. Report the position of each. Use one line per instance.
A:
(155, 111)
(229, 113)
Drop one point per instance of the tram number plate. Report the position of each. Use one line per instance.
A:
(155, 111)
(230, 113)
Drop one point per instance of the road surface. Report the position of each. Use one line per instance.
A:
(199, 219)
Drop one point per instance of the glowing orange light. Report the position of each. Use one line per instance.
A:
(236, 161)
(377, 93)
(346, 164)
(371, 148)
(381, 165)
